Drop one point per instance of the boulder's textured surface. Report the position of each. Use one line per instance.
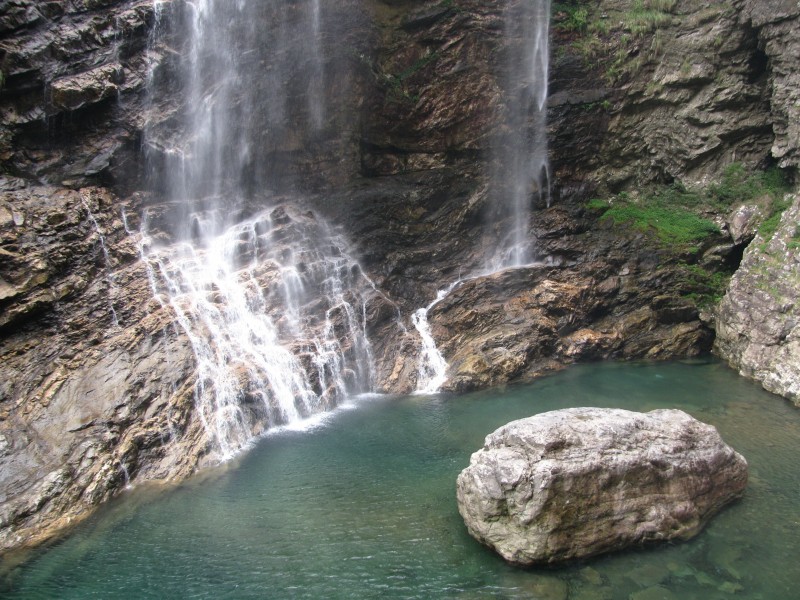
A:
(578, 482)
(758, 321)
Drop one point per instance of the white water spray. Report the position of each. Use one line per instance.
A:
(431, 365)
(274, 310)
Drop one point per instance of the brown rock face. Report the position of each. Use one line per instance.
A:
(96, 386)
(579, 482)
(609, 302)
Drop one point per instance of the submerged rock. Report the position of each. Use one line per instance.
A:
(578, 482)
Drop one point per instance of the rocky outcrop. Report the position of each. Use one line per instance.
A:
(602, 294)
(578, 482)
(776, 23)
(73, 89)
(696, 94)
(758, 321)
(97, 385)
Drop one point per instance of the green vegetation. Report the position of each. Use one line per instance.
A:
(677, 216)
(769, 225)
(575, 18)
(767, 188)
(703, 287)
(673, 225)
(418, 64)
(612, 38)
(794, 242)
(740, 185)
(597, 204)
(598, 104)
(668, 212)
(647, 15)
(680, 220)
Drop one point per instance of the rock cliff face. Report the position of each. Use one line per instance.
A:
(96, 382)
(73, 97)
(758, 330)
(757, 320)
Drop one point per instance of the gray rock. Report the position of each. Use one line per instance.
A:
(578, 482)
(758, 321)
(71, 93)
(743, 223)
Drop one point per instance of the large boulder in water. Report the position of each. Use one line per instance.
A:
(578, 482)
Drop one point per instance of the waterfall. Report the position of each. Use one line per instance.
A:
(431, 365)
(270, 297)
(274, 308)
(316, 107)
(250, 78)
(521, 176)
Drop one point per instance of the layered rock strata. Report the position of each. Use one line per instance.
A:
(578, 482)
(97, 385)
(758, 321)
(622, 299)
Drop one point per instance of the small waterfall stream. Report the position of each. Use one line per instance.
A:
(522, 176)
(431, 365)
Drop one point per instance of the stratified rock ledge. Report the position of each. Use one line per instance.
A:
(578, 482)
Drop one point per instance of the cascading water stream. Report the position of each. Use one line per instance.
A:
(274, 310)
(521, 176)
(271, 299)
(431, 365)
(316, 107)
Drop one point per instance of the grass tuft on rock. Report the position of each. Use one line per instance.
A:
(740, 186)
(703, 287)
(672, 225)
(679, 216)
(668, 212)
